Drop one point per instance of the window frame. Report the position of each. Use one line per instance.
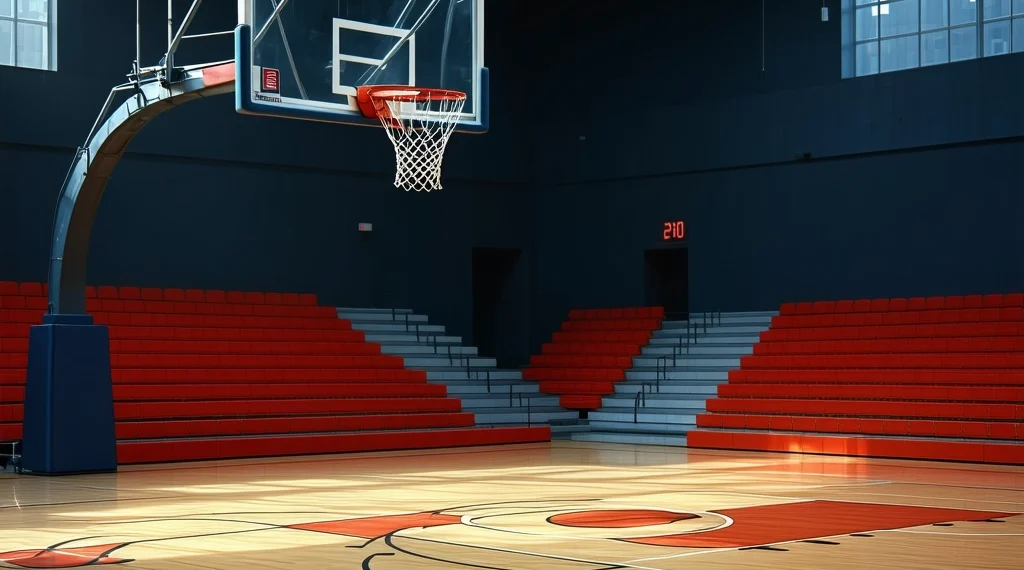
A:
(51, 36)
(851, 44)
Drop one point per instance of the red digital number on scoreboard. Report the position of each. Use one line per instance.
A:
(673, 231)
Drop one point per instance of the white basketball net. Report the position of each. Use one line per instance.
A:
(419, 125)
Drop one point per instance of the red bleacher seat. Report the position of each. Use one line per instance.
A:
(197, 372)
(867, 376)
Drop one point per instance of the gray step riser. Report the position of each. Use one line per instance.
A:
(683, 361)
(643, 417)
(629, 388)
(521, 417)
(429, 349)
(615, 404)
(495, 375)
(733, 341)
(382, 318)
(418, 362)
(711, 335)
(493, 400)
(389, 327)
(371, 311)
(652, 375)
(697, 350)
(471, 390)
(642, 426)
(386, 338)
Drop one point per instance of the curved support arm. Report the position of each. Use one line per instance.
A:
(93, 165)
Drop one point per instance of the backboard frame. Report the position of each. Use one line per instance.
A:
(247, 102)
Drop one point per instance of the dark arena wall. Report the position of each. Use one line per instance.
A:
(793, 183)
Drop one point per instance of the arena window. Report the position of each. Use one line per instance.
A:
(889, 35)
(28, 33)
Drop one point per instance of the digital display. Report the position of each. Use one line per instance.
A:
(673, 231)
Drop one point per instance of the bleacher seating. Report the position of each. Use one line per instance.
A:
(937, 378)
(592, 351)
(213, 374)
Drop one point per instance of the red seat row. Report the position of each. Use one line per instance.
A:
(592, 351)
(580, 361)
(958, 330)
(184, 392)
(882, 376)
(867, 426)
(893, 346)
(181, 308)
(29, 289)
(923, 392)
(1015, 314)
(901, 304)
(920, 360)
(242, 348)
(638, 338)
(860, 378)
(616, 314)
(612, 325)
(868, 408)
(22, 317)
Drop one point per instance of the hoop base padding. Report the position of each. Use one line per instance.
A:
(69, 400)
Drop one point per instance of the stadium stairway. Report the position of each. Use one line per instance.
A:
(218, 375)
(497, 398)
(676, 372)
(940, 378)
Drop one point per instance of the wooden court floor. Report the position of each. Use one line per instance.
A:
(564, 505)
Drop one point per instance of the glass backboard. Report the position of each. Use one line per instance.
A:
(305, 59)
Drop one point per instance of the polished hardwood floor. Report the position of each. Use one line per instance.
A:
(563, 505)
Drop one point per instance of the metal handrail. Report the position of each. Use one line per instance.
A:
(640, 399)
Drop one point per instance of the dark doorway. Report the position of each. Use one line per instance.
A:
(667, 280)
(500, 305)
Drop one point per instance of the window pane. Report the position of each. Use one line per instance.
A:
(899, 53)
(962, 12)
(934, 14)
(859, 2)
(867, 23)
(997, 38)
(935, 48)
(6, 43)
(1018, 6)
(963, 43)
(7, 8)
(1018, 34)
(32, 10)
(32, 46)
(900, 18)
(996, 9)
(867, 58)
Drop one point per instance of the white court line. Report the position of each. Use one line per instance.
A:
(1018, 503)
(951, 533)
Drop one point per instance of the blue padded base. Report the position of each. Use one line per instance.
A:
(69, 400)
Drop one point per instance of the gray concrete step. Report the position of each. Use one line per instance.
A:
(712, 349)
(464, 388)
(501, 400)
(535, 416)
(648, 415)
(376, 327)
(718, 340)
(688, 361)
(410, 337)
(371, 310)
(671, 387)
(651, 374)
(447, 373)
(642, 426)
(381, 316)
(422, 362)
(653, 400)
(412, 349)
(712, 332)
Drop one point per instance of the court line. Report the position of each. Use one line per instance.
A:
(528, 553)
(951, 533)
(938, 498)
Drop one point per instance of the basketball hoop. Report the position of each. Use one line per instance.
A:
(419, 122)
